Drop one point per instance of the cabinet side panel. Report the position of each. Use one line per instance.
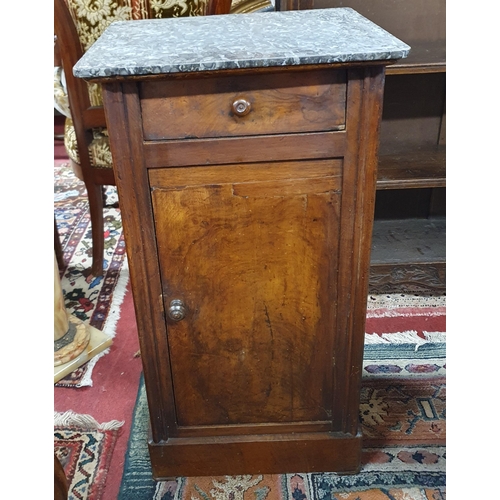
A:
(254, 262)
(122, 109)
(364, 110)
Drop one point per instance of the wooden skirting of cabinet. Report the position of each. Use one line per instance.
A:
(256, 454)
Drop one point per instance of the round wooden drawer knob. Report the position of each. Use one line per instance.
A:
(241, 107)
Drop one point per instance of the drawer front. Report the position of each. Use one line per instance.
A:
(244, 105)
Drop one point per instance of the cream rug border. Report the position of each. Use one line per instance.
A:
(400, 300)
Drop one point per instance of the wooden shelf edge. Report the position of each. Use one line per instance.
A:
(408, 255)
(424, 57)
(402, 69)
(410, 183)
(413, 169)
(412, 241)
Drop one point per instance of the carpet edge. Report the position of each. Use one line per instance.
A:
(70, 418)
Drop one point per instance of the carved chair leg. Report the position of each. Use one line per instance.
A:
(96, 206)
(104, 198)
(57, 247)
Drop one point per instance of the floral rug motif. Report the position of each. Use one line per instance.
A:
(84, 447)
(409, 411)
(95, 300)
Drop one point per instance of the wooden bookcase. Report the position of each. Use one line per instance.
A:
(408, 248)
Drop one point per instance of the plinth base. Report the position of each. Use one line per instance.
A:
(256, 454)
(98, 342)
(73, 343)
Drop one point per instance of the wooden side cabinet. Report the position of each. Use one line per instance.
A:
(247, 194)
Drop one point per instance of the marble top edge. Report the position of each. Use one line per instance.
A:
(261, 39)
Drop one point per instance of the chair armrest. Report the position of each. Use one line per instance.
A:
(61, 101)
(57, 53)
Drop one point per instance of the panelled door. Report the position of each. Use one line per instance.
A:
(248, 259)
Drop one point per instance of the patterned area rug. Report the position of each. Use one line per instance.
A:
(402, 414)
(95, 300)
(84, 447)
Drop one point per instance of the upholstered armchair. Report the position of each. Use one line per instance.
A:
(78, 24)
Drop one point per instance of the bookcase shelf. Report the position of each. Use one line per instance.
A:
(412, 154)
(408, 254)
(412, 169)
(424, 57)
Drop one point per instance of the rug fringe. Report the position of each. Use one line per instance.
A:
(118, 297)
(70, 418)
(397, 300)
(435, 336)
(86, 380)
(406, 337)
(111, 321)
(406, 312)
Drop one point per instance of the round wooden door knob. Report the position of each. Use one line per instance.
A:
(241, 107)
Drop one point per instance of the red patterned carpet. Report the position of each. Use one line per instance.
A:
(114, 379)
(84, 447)
(113, 394)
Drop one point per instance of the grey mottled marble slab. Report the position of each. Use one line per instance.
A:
(262, 39)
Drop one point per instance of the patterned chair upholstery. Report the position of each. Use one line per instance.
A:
(90, 18)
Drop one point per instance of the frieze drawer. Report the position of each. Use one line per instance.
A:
(244, 105)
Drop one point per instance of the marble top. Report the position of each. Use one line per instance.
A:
(261, 39)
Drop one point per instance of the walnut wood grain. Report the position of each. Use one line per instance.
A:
(192, 431)
(280, 147)
(249, 174)
(247, 350)
(294, 5)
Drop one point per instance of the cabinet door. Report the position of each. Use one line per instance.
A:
(252, 251)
